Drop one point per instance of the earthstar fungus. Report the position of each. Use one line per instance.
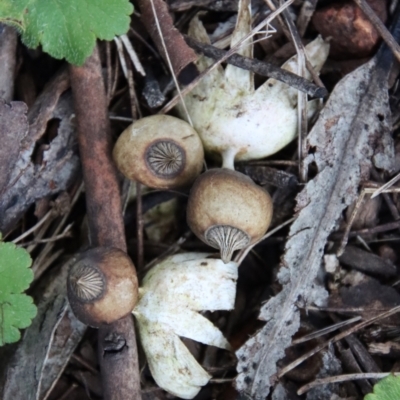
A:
(228, 211)
(171, 297)
(102, 286)
(235, 121)
(160, 151)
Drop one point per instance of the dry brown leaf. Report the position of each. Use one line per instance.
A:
(352, 131)
(13, 130)
(25, 181)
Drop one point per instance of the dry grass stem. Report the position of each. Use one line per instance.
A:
(336, 338)
(344, 378)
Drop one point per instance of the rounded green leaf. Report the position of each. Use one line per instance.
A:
(67, 29)
(16, 308)
(386, 389)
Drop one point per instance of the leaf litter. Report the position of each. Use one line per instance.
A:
(351, 135)
(346, 136)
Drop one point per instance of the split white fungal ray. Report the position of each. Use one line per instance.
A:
(234, 120)
(171, 296)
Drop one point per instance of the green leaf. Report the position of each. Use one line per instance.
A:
(67, 28)
(386, 389)
(16, 308)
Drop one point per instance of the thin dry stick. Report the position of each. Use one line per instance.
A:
(65, 234)
(122, 60)
(345, 237)
(139, 226)
(306, 13)
(344, 378)
(386, 186)
(324, 331)
(40, 233)
(49, 246)
(39, 269)
(126, 68)
(173, 249)
(170, 63)
(261, 68)
(243, 253)
(85, 363)
(109, 71)
(380, 27)
(309, 66)
(302, 126)
(336, 338)
(132, 54)
(115, 80)
(360, 199)
(347, 310)
(173, 102)
(34, 227)
(377, 229)
(135, 111)
(68, 392)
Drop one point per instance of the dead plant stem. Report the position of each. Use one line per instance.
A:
(116, 342)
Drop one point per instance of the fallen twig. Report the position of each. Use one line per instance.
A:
(259, 67)
(176, 50)
(117, 342)
(344, 378)
(336, 338)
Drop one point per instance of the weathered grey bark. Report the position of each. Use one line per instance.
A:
(8, 50)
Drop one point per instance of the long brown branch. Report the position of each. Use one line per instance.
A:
(117, 342)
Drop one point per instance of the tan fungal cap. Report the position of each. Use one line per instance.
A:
(160, 151)
(228, 211)
(102, 286)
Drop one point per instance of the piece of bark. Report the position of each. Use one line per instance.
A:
(151, 91)
(386, 349)
(13, 129)
(181, 56)
(8, 56)
(117, 342)
(367, 262)
(350, 365)
(367, 294)
(353, 131)
(23, 181)
(363, 357)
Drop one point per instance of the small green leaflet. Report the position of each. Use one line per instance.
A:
(16, 309)
(67, 28)
(386, 389)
